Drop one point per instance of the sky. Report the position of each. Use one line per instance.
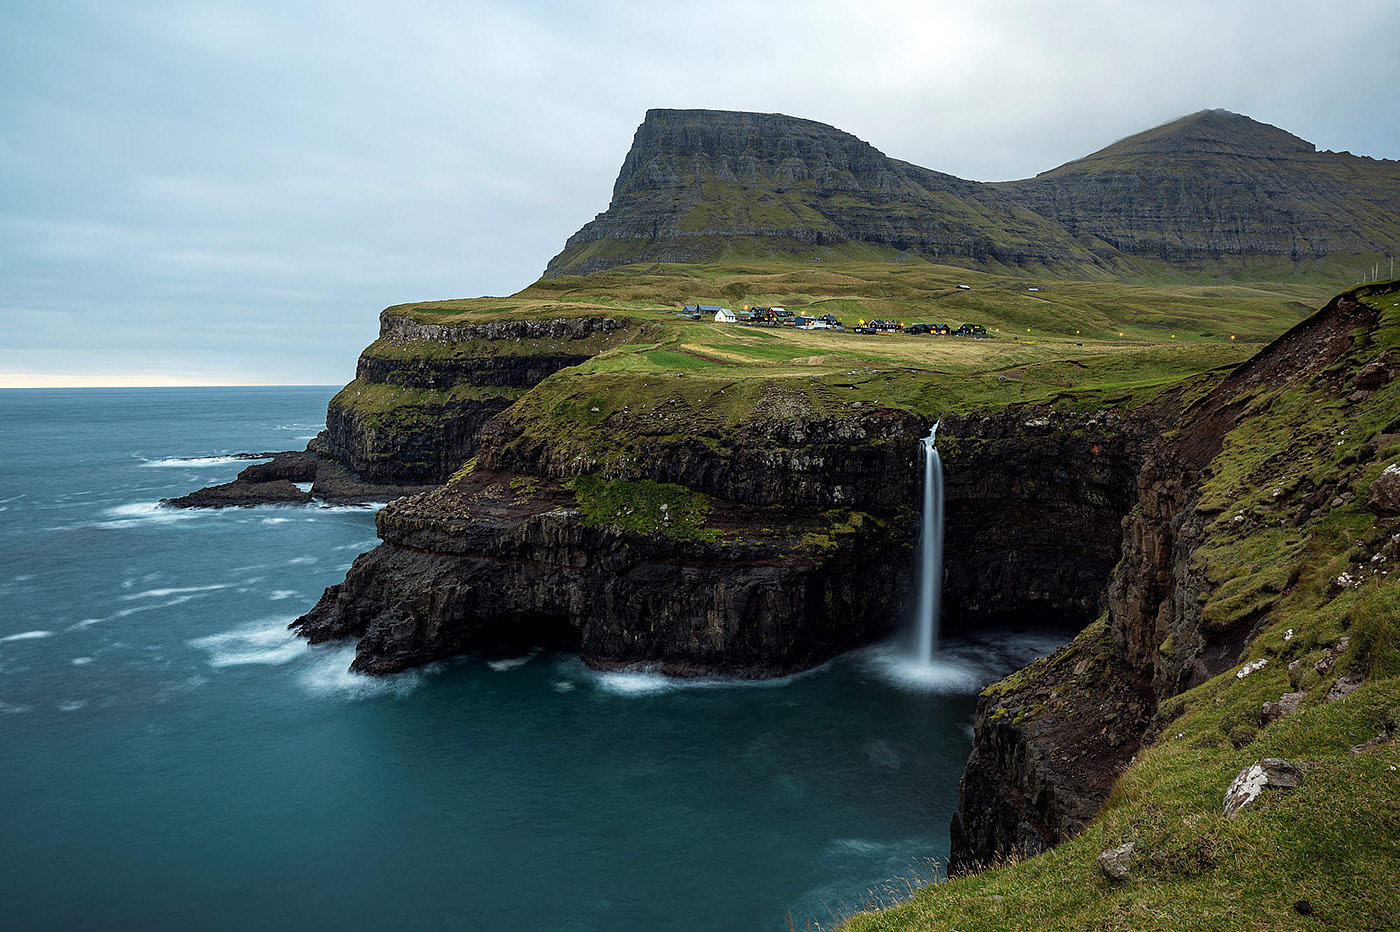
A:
(228, 193)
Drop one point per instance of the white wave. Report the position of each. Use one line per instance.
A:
(280, 594)
(23, 577)
(27, 636)
(199, 461)
(346, 509)
(302, 561)
(329, 676)
(563, 686)
(505, 666)
(644, 681)
(85, 623)
(304, 486)
(265, 643)
(138, 513)
(859, 846)
(81, 661)
(276, 520)
(72, 705)
(7, 709)
(162, 593)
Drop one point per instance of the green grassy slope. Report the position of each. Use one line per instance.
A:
(1316, 575)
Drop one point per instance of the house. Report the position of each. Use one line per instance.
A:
(724, 316)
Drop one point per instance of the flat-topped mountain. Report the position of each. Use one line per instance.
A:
(1214, 185)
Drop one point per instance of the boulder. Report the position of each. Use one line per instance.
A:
(1287, 704)
(1117, 863)
(1372, 376)
(1273, 773)
(1385, 492)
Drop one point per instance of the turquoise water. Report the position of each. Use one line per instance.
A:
(171, 758)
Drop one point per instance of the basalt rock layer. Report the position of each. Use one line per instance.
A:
(423, 391)
(787, 541)
(1211, 186)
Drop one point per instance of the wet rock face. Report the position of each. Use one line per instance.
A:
(1035, 500)
(1048, 750)
(480, 563)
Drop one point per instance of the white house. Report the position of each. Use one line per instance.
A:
(724, 316)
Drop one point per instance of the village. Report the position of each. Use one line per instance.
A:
(782, 317)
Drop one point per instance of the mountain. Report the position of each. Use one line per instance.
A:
(1214, 185)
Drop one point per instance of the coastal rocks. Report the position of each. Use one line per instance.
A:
(1271, 773)
(1157, 637)
(1050, 744)
(494, 559)
(1117, 863)
(1385, 492)
(1372, 376)
(1344, 686)
(242, 492)
(276, 483)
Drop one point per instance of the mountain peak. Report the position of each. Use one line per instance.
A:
(1205, 132)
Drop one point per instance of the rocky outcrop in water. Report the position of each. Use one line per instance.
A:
(279, 482)
(1208, 186)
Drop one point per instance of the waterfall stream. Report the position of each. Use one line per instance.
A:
(930, 549)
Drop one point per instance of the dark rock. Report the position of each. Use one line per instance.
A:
(481, 563)
(1372, 376)
(241, 492)
(1385, 492)
(1331, 655)
(295, 466)
(1374, 744)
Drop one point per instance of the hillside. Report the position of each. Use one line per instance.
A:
(1214, 194)
(1252, 617)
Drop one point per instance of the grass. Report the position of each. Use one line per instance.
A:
(1272, 569)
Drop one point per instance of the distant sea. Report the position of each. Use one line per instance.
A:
(172, 758)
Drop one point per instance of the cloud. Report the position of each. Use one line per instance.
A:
(239, 187)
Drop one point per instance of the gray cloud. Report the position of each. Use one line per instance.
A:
(228, 192)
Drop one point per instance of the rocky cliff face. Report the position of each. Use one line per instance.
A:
(1202, 188)
(422, 392)
(1197, 582)
(1217, 184)
(802, 548)
(695, 178)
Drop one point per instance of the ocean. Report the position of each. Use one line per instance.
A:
(172, 758)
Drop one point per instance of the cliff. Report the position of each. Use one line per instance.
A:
(1253, 534)
(1211, 188)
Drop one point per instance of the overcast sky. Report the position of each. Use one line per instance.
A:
(228, 193)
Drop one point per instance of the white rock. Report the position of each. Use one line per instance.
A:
(1250, 783)
(1252, 666)
(1288, 636)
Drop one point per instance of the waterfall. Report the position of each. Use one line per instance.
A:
(930, 549)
